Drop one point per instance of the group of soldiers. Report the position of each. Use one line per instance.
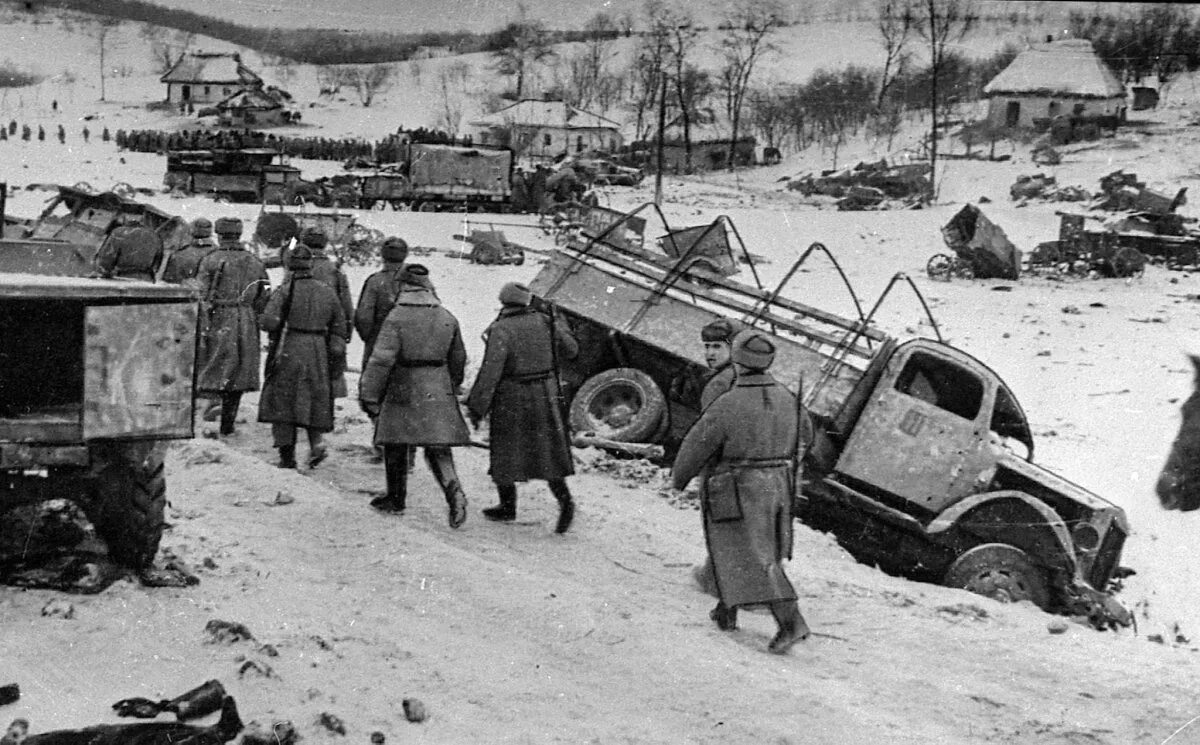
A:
(413, 366)
(27, 133)
(745, 447)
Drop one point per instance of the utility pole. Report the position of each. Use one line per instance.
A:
(662, 125)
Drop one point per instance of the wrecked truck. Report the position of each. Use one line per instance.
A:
(923, 459)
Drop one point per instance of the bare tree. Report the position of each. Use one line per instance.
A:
(647, 74)
(588, 80)
(896, 20)
(452, 82)
(167, 46)
(767, 110)
(525, 43)
(689, 85)
(369, 81)
(330, 79)
(941, 23)
(102, 28)
(750, 25)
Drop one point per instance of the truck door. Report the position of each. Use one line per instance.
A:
(138, 362)
(922, 436)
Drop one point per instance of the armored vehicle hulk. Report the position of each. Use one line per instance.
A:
(922, 461)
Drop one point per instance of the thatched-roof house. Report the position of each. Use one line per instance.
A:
(1060, 78)
(544, 130)
(208, 77)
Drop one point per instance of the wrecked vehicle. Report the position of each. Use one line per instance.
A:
(981, 249)
(1108, 252)
(68, 233)
(82, 418)
(234, 174)
(440, 177)
(349, 240)
(870, 185)
(923, 462)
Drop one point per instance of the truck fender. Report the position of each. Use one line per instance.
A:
(1048, 524)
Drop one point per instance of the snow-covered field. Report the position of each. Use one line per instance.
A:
(513, 634)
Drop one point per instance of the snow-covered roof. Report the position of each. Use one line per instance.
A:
(212, 68)
(536, 113)
(1064, 68)
(251, 98)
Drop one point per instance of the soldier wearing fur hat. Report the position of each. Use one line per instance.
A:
(743, 447)
(517, 386)
(717, 338)
(379, 293)
(182, 264)
(306, 324)
(233, 289)
(408, 387)
(325, 270)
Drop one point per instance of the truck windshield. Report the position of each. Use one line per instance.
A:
(941, 383)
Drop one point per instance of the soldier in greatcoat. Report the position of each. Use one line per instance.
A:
(307, 326)
(183, 264)
(379, 293)
(743, 446)
(517, 386)
(326, 271)
(717, 338)
(131, 251)
(408, 387)
(233, 289)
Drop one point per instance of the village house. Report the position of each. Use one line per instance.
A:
(709, 145)
(208, 77)
(545, 130)
(1058, 78)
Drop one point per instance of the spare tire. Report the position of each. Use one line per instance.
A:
(127, 500)
(622, 404)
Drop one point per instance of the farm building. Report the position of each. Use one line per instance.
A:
(1059, 78)
(709, 145)
(208, 77)
(544, 130)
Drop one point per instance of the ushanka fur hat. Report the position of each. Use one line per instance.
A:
(202, 227)
(229, 227)
(753, 349)
(394, 249)
(416, 276)
(300, 257)
(515, 293)
(722, 329)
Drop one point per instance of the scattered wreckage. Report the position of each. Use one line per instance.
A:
(923, 461)
(869, 186)
(350, 241)
(981, 249)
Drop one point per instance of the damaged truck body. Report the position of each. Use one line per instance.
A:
(923, 459)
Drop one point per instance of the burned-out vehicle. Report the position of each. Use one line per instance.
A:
(435, 177)
(94, 375)
(68, 233)
(236, 175)
(923, 463)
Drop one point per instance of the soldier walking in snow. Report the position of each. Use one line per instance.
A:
(326, 271)
(379, 293)
(409, 388)
(307, 327)
(233, 284)
(132, 251)
(518, 387)
(183, 264)
(743, 446)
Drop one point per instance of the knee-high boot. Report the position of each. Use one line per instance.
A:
(441, 462)
(792, 626)
(506, 511)
(229, 410)
(566, 505)
(395, 470)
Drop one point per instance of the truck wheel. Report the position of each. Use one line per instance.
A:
(127, 500)
(938, 267)
(430, 206)
(1000, 572)
(1128, 262)
(622, 404)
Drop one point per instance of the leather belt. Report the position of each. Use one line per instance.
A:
(420, 363)
(757, 463)
(532, 377)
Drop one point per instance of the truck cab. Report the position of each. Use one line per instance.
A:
(935, 450)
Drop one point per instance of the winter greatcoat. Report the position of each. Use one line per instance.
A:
(297, 388)
(324, 270)
(183, 264)
(517, 386)
(749, 434)
(131, 251)
(233, 285)
(375, 301)
(719, 383)
(415, 368)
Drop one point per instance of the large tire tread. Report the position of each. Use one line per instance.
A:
(639, 425)
(127, 502)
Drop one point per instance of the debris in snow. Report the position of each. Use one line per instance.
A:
(227, 632)
(58, 609)
(332, 722)
(414, 710)
(1057, 626)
